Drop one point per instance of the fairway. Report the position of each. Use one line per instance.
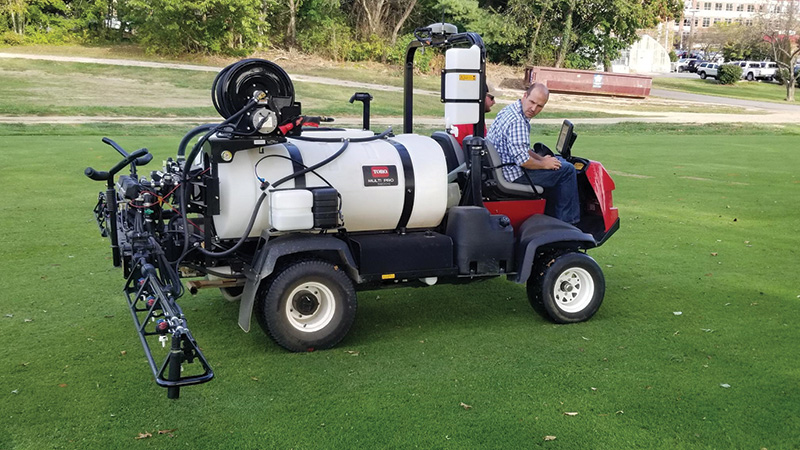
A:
(694, 347)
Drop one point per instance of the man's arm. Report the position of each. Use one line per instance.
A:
(537, 162)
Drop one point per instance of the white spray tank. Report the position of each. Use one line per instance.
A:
(384, 184)
(462, 86)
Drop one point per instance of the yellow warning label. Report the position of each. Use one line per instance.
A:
(387, 276)
(463, 77)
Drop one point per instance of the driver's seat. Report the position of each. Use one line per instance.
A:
(505, 186)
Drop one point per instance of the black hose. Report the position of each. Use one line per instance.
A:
(244, 236)
(191, 134)
(188, 165)
(316, 166)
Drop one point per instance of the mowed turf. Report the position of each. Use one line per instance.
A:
(694, 347)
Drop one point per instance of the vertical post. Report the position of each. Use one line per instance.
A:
(408, 88)
(175, 360)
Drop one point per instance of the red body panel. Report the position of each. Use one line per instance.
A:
(517, 211)
(603, 185)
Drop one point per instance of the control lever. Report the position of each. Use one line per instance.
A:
(365, 98)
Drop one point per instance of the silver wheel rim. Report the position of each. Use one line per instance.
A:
(310, 307)
(573, 290)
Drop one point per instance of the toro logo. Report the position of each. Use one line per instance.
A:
(380, 172)
(379, 175)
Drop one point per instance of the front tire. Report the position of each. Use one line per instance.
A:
(570, 289)
(308, 305)
(750, 77)
(702, 75)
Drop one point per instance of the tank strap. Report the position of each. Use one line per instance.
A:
(408, 173)
(297, 163)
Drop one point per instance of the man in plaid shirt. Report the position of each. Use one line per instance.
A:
(510, 135)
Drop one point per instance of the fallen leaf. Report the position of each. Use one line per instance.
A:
(15, 391)
(123, 352)
(714, 253)
(594, 388)
(465, 406)
(144, 435)
(28, 320)
(353, 352)
(570, 414)
(677, 313)
(620, 412)
(11, 315)
(62, 385)
(166, 431)
(725, 385)
(254, 378)
(549, 438)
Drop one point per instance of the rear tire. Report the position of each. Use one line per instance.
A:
(232, 294)
(308, 305)
(570, 289)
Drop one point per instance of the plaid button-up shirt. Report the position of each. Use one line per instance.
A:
(510, 134)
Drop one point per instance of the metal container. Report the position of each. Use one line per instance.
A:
(570, 81)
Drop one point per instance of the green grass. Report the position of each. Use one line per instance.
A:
(709, 228)
(746, 90)
(47, 88)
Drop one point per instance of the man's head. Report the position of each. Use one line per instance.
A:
(488, 102)
(534, 99)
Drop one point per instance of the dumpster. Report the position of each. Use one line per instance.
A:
(571, 81)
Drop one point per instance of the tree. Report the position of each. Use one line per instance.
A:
(14, 10)
(205, 26)
(382, 18)
(780, 28)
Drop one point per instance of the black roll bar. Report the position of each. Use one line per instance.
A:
(444, 41)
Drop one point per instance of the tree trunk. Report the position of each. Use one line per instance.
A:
(566, 35)
(374, 15)
(291, 29)
(534, 41)
(402, 20)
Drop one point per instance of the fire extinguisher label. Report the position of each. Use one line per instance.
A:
(380, 175)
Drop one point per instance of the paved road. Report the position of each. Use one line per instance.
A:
(697, 98)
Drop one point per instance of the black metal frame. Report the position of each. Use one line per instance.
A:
(150, 289)
(151, 305)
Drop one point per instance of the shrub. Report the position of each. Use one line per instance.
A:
(673, 56)
(729, 74)
(425, 62)
(11, 38)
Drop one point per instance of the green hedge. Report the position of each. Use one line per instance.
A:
(729, 74)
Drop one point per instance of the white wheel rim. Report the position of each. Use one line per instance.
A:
(573, 290)
(310, 307)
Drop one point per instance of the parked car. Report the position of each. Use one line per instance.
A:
(768, 70)
(691, 66)
(708, 69)
(680, 65)
(752, 70)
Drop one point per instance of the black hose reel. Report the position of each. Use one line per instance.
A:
(260, 86)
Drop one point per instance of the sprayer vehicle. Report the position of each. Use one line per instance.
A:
(293, 218)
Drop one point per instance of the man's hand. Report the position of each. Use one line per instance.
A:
(537, 162)
(550, 163)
